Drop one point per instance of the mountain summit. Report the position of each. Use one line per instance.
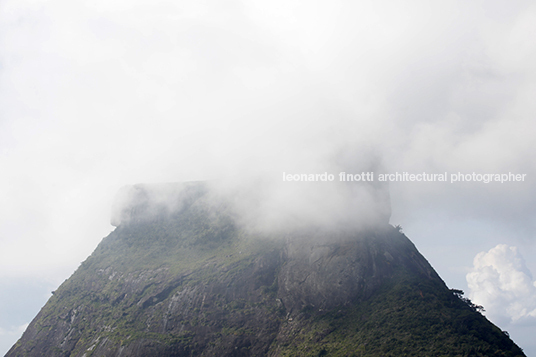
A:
(182, 276)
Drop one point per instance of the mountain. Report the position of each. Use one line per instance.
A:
(181, 276)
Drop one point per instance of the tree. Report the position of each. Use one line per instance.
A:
(474, 307)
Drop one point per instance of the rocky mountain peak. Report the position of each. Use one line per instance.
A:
(182, 276)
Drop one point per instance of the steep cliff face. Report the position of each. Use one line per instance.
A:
(186, 280)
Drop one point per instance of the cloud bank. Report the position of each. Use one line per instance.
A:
(501, 282)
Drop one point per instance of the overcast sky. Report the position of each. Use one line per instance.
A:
(95, 95)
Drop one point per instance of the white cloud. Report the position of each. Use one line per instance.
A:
(501, 282)
(101, 94)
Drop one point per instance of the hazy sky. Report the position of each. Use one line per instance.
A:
(95, 95)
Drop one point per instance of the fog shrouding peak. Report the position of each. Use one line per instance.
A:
(327, 200)
(322, 197)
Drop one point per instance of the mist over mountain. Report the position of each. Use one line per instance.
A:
(196, 269)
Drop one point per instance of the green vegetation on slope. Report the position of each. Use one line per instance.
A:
(407, 317)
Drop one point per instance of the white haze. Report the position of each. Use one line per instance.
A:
(266, 200)
(96, 95)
